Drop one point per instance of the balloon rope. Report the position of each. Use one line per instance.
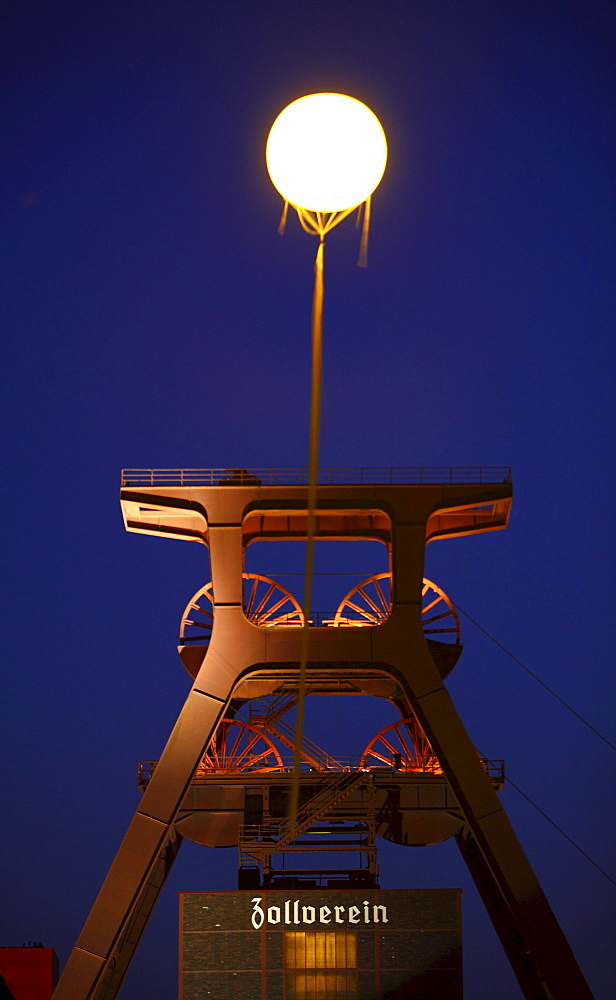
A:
(320, 223)
(313, 467)
(283, 218)
(363, 249)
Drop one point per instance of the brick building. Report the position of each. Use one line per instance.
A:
(321, 944)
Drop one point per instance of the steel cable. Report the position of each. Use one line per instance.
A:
(536, 678)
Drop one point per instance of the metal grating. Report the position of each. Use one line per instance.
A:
(373, 475)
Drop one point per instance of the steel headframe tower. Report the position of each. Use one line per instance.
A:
(404, 509)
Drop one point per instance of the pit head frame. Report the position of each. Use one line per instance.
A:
(405, 509)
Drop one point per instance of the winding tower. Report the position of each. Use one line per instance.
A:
(221, 779)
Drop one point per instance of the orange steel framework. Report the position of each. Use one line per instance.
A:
(394, 636)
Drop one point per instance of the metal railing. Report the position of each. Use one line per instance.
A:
(371, 476)
(495, 769)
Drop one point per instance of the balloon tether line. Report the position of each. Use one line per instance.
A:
(316, 223)
(313, 467)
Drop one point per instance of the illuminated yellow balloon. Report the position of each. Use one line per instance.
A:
(326, 152)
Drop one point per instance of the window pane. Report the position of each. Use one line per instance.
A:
(320, 950)
(333, 953)
(351, 951)
(321, 985)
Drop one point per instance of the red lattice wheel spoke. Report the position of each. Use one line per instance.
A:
(239, 746)
(369, 603)
(266, 603)
(401, 743)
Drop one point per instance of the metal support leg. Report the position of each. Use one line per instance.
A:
(136, 868)
(516, 948)
(504, 866)
(119, 962)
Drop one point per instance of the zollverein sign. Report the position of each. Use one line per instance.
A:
(292, 912)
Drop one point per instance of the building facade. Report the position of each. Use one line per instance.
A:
(321, 944)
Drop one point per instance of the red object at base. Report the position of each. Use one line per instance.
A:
(30, 973)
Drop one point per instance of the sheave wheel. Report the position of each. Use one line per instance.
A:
(369, 603)
(266, 603)
(401, 746)
(237, 747)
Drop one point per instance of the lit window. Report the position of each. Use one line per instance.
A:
(328, 963)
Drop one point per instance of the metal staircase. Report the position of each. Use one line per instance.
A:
(269, 719)
(349, 828)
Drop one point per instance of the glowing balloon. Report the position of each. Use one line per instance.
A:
(326, 152)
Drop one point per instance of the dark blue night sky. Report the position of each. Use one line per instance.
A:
(155, 318)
